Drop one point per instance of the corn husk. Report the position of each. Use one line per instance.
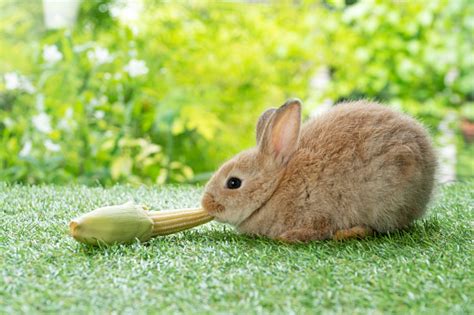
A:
(123, 224)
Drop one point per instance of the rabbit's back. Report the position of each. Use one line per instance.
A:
(365, 164)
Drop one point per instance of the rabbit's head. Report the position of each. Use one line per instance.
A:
(246, 182)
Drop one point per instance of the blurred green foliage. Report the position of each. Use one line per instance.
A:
(169, 96)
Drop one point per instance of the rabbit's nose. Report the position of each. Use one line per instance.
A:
(210, 204)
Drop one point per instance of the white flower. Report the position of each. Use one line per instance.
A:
(69, 113)
(99, 56)
(323, 108)
(127, 12)
(51, 54)
(51, 146)
(94, 103)
(8, 122)
(42, 122)
(99, 114)
(27, 86)
(25, 151)
(12, 81)
(40, 102)
(98, 101)
(451, 76)
(15, 81)
(136, 68)
(65, 122)
(321, 80)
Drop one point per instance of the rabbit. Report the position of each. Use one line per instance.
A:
(357, 169)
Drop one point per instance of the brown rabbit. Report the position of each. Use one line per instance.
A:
(359, 167)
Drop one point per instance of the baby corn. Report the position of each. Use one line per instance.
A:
(129, 222)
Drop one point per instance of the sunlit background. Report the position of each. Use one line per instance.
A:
(100, 92)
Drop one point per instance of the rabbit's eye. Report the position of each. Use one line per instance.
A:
(233, 183)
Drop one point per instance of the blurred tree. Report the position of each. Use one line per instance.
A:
(153, 92)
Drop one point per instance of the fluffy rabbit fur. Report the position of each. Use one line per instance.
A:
(359, 167)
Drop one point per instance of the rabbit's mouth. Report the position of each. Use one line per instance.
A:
(211, 205)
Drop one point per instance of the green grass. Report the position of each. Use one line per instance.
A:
(212, 269)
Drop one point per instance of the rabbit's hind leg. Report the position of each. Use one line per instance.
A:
(354, 232)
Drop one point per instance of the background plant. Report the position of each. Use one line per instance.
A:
(170, 95)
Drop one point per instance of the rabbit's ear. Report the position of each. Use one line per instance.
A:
(281, 135)
(263, 122)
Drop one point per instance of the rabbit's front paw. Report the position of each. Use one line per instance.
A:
(354, 232)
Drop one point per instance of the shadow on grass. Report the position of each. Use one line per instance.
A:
(421, 235)
(421, 229)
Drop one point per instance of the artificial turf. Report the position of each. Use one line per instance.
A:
(212, 269)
